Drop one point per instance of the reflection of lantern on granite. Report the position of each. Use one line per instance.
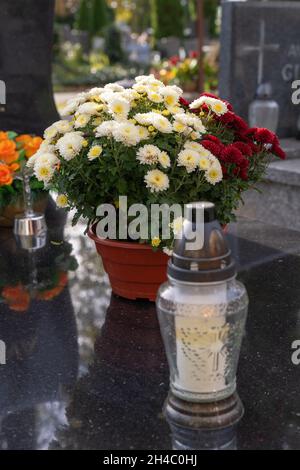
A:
(202, 311)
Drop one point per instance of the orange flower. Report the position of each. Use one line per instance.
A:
(14, 167)
(16, 297)
(8, 153)
(5, 175)
(30, 144)
(51, 293)
(3, 136)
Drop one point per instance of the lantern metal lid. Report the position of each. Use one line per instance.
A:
(211, 262)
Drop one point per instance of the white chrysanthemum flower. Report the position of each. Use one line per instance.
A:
(144, 78)
(198, 125)
(195, 135)
(31, 161)
(119, 108)
(177, 225)
(62, 201)
(167, 251)
(43, 172)
(129, 95)
(204, 163)
(73, 103)
(183, 118)
(139, 88)
(171, 97)
(155, 97)
(176, 89)
(189, 144)
(156, 181)
(179, 127)
(214, 174)
(89, 108)
(114, 87)
(48, 158)
(174, 109)
(95, 92)
(70, 145)
(190, 120)
(164, 159)
(217, 106)
(214, 161)
(189, 159)
(51, 132)
(82, 120)
(108, 95)
(127, 133)
(105, 129)
(198, 102)
(162, 124)
(203, 152)
(94, 152)
(154, 85)
(63, 126)
(69, 108)
(46, 146)
(143, 132)
(145, 119)
(148, 154)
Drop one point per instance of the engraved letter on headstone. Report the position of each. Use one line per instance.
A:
(2, 353)
(2, 92)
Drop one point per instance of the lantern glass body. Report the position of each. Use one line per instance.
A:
(264, 113)
(202, 327)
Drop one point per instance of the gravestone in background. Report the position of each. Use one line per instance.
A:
(260, 41)
(26, 28)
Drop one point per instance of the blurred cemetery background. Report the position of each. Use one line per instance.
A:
(100, 41)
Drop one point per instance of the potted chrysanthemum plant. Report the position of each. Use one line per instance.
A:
(148, 144)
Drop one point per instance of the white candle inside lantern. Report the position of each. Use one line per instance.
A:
(201, 332)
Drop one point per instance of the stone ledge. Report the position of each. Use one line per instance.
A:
(284, 172)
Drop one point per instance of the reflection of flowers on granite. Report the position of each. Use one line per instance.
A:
(38, 282)
(123, 391)
(16, 297)
(90, 291)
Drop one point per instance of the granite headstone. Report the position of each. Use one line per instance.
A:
(26, 28)
(260, 42)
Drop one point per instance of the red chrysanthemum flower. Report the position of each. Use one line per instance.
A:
(244, 148)
(264, 136)
(231, 154)
(213, 147)
(240, 125)
(213, 138)
(184, 102)
(243, 174)
(277, 150)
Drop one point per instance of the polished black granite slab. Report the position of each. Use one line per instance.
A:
(87, 370)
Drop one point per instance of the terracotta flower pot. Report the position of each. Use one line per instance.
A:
(135, 271)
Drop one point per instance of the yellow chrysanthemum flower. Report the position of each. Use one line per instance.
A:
(62, 200)
(94, 152)
(155, 242)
